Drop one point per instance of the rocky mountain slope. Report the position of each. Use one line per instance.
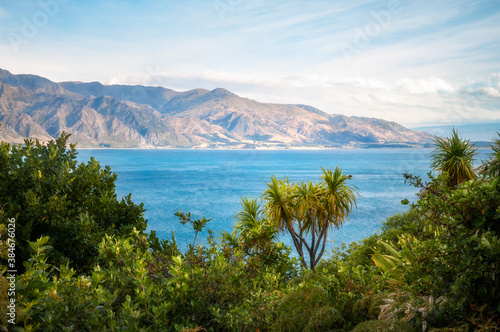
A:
(136, 116)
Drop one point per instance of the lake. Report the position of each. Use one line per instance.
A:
(210, 183)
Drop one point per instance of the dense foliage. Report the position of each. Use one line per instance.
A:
(433, 268)
(48, 193)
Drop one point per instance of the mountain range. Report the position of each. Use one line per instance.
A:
(125, 116)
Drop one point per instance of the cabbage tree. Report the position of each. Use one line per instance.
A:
(454, 156)
(307, 210)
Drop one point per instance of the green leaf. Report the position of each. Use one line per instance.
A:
(33, 246)
(177, 260)
(485, 243)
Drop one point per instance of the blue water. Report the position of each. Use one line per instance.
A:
(210, 183)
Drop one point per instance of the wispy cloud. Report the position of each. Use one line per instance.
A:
(409, 101)
(3, 13)
(431, 85)
(419, 67)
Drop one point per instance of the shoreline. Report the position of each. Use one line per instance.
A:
(259, 149)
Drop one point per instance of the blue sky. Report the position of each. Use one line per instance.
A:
(413, 62)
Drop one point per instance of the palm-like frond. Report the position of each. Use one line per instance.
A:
(278, 202)
(494, 163)
(495, 146)
(341, 198)
(307, 199)
(491, 167)
(252, 232)
(249, 220)
(391, 264)
(454, 156)
(250, 213)
(307, 208)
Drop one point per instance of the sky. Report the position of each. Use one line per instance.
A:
(413, 62)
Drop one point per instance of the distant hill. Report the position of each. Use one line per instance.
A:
(137, 116)
(474, 132)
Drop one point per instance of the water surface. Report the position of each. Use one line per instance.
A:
(210, 182)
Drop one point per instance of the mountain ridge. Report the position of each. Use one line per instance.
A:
(138, 116)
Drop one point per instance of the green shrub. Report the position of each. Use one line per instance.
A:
(325, 319)
(445, 254)
(368, 307)
(306, 306)
(456, 254)
(384, 326)
(49, 194)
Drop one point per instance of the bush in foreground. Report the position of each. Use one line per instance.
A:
(48, 193)
(435, 267)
